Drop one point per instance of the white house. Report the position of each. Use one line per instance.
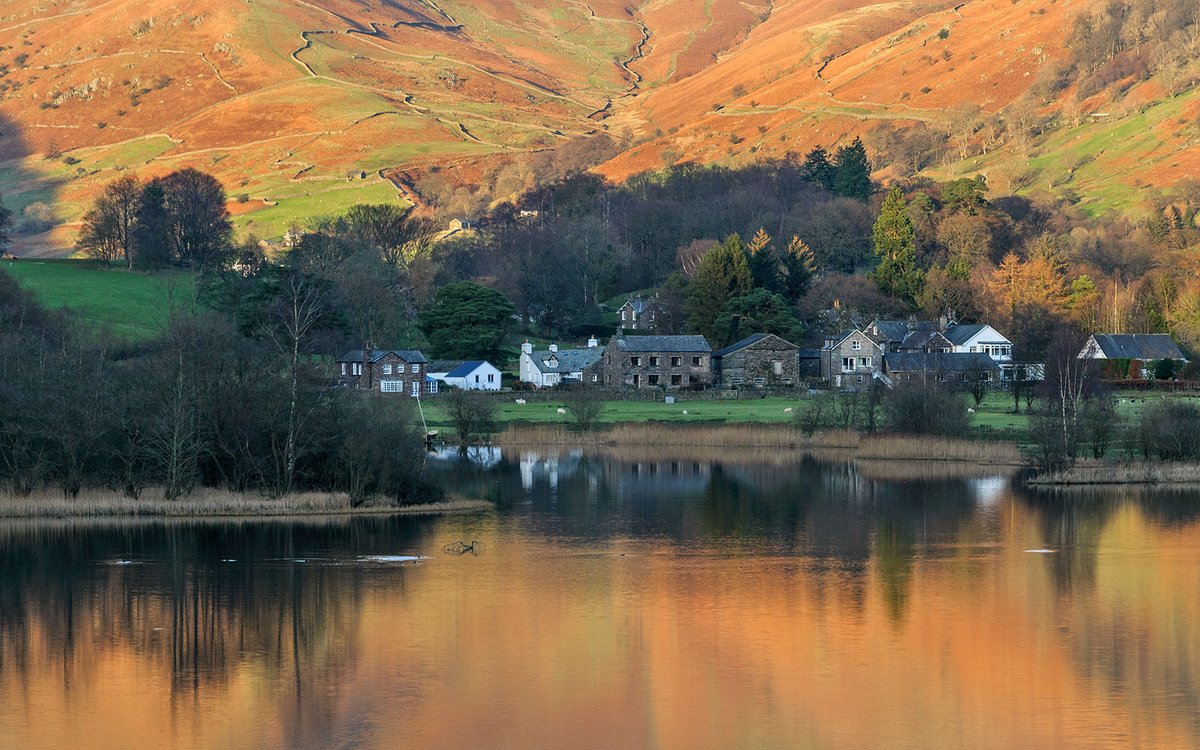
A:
(552, 366)
(979, 337)
(474, 375)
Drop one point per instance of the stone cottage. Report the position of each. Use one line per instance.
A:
(850, 359)
(387, 371)
(760, 360)
(657, 362)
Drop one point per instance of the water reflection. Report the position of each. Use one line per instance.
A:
(616, 602)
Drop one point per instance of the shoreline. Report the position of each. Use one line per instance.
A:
(1115, 474)
(215, 505)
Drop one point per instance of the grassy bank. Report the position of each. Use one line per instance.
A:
(212, 503)
(1098, 472)
(133, 306)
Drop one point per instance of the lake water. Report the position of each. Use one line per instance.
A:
(643, 601)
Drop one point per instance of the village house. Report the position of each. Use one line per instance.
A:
(944, 336)
(390, 371)
(549, 367)
(474, 375)
(638, 314)
(657, 362)
(760, 360)
(850, 359)
(1147, 347)
(944, 367)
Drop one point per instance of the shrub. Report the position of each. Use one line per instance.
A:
(926, 407)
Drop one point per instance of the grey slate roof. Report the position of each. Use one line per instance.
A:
(638, 304)
(949, 362)
(568, 360)
(662, 344)
(443, 365)
(753, 338)
(412, 356)
(465, 368)
(896, 330)
(920, 338)
(961, 333)
(1138, 346)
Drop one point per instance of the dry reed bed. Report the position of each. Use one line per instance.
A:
(638, 441)
(1121, 473)
(211, 503)
(712, 436)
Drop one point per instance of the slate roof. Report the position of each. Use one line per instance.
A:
(663, 344)
(896, 330)
(412, 356)
(465, 368)
(919, 339)
(949, 362)
(443, 365)
(839, 338)
(961, 333)
(753, 338)
(1142, 346)
(568, 360)
(638, 304)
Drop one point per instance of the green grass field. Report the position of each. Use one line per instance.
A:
(132, 306)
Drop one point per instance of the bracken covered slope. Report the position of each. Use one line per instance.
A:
(306, 107)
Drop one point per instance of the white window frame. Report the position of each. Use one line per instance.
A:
(847, 364)
(856, 345)
(416, 388)
(391, 386)
(387, 369)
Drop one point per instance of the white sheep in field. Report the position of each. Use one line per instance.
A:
(685, 411)
(562, 411)
(520, 402)
(970, 410)
(787, 410)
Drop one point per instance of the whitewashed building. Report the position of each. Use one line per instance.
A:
(472, 375)
(549, 367)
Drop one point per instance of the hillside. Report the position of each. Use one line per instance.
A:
(306, 107)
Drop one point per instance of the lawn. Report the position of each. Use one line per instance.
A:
(132, 305)
(698, 412)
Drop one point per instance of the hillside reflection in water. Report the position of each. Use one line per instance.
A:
(674, 603)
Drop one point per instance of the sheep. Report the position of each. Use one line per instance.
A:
(787, 410)
(520, 402)
(685, 411)
(562, 411)
(970, 410)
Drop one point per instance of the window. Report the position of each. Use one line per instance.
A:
(637, 380)
(357, 368)
(859, 378)
(476, 378)
(431, 386)
(654, 361)
(416, 388)
(491, 377)
(675, 361)
(735, 381)
(697, 361)
(653, 380)
(864, 361)
(595, 378)
(676, 380)
(387, 369)
(391, 386)
(777, 367)
(635, 361)
(760, 382)
(623, 315)
(343, 369)
(856, 345)
(847, 364)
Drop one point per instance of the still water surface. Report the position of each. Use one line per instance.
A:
(617, 603)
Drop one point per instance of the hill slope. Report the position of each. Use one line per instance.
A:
(303, 107)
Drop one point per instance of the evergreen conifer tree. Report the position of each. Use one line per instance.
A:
(896, 248)
(152, 230)
(852, 178)
(818, 169)
(722, 274)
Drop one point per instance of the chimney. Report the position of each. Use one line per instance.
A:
(593, 342)
(366, 366)
(554, 347)
(943, 322)
(527, 348)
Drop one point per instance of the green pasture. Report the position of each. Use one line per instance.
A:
(132, 305)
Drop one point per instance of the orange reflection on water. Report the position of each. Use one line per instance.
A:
(632, 643)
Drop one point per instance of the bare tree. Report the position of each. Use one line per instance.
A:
(108, 227)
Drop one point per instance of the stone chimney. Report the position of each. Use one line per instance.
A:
(553, 348)
(527, 348)
(593, 342)
(366, 367)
